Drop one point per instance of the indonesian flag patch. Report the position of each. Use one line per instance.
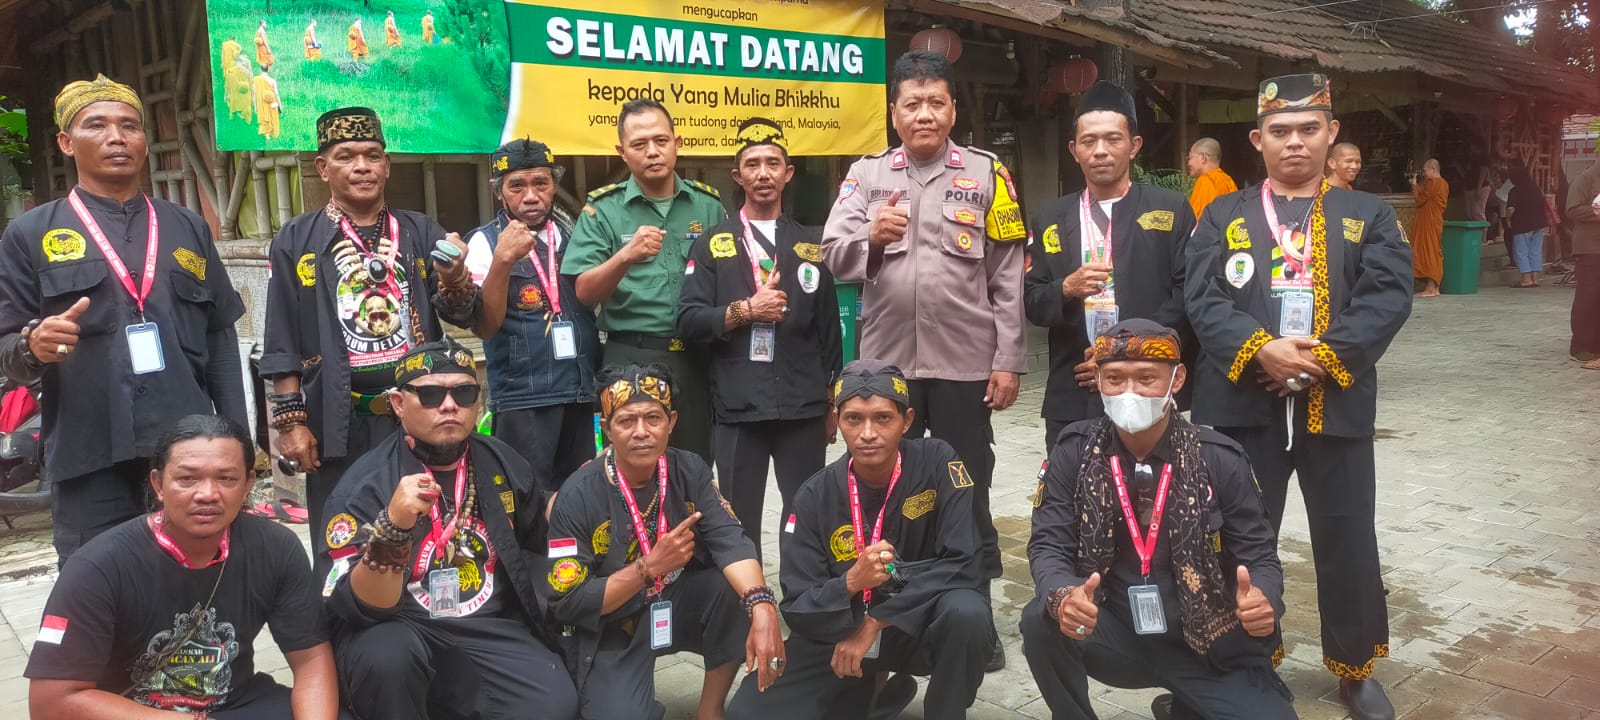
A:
(563, 547)
(53, 629)
(788, 527)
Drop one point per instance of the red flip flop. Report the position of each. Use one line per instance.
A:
(282, 511)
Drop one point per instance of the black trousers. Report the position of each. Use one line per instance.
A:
(87, 505)
(366, 431)
(955, 413)
(556, 440)
(1586, 306)
(1116, 656)
(488, 668)
(1338, 477)
(691, 390)
(952, 650)
(707, 620)
(798, 449)
(266, 700)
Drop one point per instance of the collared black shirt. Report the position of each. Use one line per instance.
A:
(807, 350)
(104, 412)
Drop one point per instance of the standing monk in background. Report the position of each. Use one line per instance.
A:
(357, 42)
(313, 48)
(268, 106)
(1344, 164)
(1210, 182)
(391, 34)
(236, 82)
(1432, 193)
(427, 28)
(264, 56)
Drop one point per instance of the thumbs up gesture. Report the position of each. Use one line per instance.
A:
(56, 335)
(890, 224)
(1254, 612)
(769, 304)
(1078, 612)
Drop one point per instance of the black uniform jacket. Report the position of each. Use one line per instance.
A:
(1364, 286)
(511, 506)
(807, 352)
(96, 411)
(1235, 514)
(303, 336)
(1150, 228)
(929, 522)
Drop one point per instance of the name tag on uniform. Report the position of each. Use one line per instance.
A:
(443, 590)
(762, 337)
(661, 625)
(1295, 317)
(1144, 603)
(563, 340)
(144, 348)
(1100, 314)
(877, 642)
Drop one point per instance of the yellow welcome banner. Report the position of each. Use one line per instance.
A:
(817, 67)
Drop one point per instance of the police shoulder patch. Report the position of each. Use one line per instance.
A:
(919, 504)
(958, 474)
(843, 543)
(63, 244)
(566, 574)
(1156, 220)
(722, 246)
(192, 261)
(601, 192)
(707, 189)
(810, 252)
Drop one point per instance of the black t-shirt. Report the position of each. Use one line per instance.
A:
(122, 598)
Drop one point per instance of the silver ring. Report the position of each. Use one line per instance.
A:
(1294, 384)
(786, 309)
(62, 349)
(775, 663)
(1082, 631)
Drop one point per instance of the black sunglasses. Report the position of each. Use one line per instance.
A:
(432, 396)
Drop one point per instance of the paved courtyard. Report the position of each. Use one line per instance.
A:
(1488, 518)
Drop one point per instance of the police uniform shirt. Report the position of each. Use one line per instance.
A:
(1150, 228)
(929, 523)
(808, 351)
(97, 411)
(1235, 516)
(1362, 287)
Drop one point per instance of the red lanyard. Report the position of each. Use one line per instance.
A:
(1295, 257)
(394, 246)
(855, 512)
(1146, 548)
(750, 247)
(1086, 219)
(176, 552)
(639, 528)
(442, 532)
(112, 259)
(552, 291)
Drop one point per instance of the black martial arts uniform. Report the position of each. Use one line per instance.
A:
(774, 408)
(306, 331)
(101, 419)
(497, 659)
(592, 536)
(1235, 680)
(1361, 277)
(1150, 228)
(938, 621)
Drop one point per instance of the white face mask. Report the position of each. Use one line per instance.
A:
(1135, 413)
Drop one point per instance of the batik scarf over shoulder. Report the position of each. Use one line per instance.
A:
(1202, 596)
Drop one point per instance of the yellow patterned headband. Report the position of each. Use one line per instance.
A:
(81, 94)
(631, 389)
(1121, 347)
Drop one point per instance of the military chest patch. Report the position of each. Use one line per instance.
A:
(509, 501)
(306, 270)
(529, 297)
(1353, 229)
(843, 544)
(722, 246)
(966, 216)
(191, 261)
(919, 504)
(63, 244)
(1156, 220)
(1238, 235)
(958, 474)
(811, 252)
(1051, 240)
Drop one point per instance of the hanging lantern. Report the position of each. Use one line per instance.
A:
(1072, 76)
(938, 39)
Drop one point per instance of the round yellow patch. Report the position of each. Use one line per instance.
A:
(566, 574)
(341, 530)
(306, 269)
(63, 244)
(843, 544)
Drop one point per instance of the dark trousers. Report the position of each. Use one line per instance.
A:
(798, 449)
(1116, 656)
(1052, 433)
(955, 413)
(951, 651)
(691, 390)
(556, 440)
(480, 668)
(90, 504)
(707, 620)
(366, 431)
(1338, 477)
(267, 700)
(1586, 306)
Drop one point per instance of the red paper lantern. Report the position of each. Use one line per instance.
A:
(941, 40)
(1072, 76)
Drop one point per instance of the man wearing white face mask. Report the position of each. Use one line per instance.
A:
(1129, 504)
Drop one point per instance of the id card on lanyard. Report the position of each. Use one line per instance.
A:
(444, 584)
(563, 340)
(877, 531)
(1100, 311)
(1144, 601)
(1291, 281)
(763, 335)
(144, 338)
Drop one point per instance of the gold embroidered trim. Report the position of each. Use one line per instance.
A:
(1352, 672)
(1277, 656)
(1247, 351)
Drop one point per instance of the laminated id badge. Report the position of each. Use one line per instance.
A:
(872, 652)
(443, 590)
(144, 348)
(563, 340)
(1144, 603)
(762, 336)
(1100, 314)
(661, 625)
(1295, 319)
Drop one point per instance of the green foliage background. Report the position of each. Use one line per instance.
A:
(449, 97)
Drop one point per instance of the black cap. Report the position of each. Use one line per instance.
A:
(871, 378)
(351, 124)
(1110, 97)
(435, 358)
(1294, 93)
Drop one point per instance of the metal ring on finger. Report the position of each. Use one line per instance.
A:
(1294, 384)
(1082, 631)
(62, 349)
(775, 663)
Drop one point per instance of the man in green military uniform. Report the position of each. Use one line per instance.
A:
(629, 253)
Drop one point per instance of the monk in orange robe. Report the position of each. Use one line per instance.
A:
(264, 56)
(391, 32)
(1432, 193)
(1210, 182)
(313, 48)
(357, 42)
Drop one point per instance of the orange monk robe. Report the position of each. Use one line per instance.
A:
(357, 43)
(391, 34)
(268, 107)
(236, 85)
(1427, 234)
(230, 52)
(263, 53)
(1214, 183)
(427, 29)
(313, 48)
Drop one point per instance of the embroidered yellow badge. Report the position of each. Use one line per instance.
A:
(63, 244)
(843, 544)
(1238, 235)
(722, 246)
(958, 474)
(919, 504)
(509, 500)
(601, 539)
(1156, 220)
(566, 574)
(810, 252)
(1353, 228)
(1051, 240)
(191, 261)
(306, 270)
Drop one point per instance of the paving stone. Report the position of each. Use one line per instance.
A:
(1578, 691)
(1514, 705)
(1515, 675)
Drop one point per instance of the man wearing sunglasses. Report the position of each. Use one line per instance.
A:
(1151, 552)
(432, 582)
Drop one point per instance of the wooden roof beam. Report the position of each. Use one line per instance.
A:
(1065, 28)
